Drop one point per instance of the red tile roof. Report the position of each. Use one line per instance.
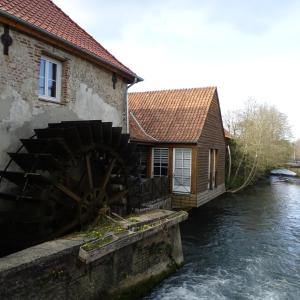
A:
(45, 15)
(172, 115)
(137, 133)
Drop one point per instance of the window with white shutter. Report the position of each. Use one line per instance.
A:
(160, 161)
(182, 170)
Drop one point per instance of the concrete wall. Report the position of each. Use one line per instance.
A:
(87, 92)
(52, 270)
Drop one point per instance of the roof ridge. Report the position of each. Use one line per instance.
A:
(175, 90)
(81, 28)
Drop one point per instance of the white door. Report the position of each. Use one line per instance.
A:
(182, 163)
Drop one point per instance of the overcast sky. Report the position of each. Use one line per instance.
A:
(247, 48)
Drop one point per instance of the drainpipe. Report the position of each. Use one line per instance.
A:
(126, 102)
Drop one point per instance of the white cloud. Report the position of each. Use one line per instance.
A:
(172, 44)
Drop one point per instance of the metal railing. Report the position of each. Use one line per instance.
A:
(148, 191)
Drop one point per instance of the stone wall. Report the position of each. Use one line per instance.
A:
(87, 92)
(52, 270)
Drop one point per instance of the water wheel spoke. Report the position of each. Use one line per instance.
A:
(117, 196)
(70, 170)
(108, 174)
(89, 171)
(68, 192)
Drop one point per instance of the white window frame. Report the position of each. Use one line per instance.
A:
(182, 189)
(212, 161)
(152, 164)
(58, 80)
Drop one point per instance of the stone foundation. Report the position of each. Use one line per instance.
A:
(53, 270)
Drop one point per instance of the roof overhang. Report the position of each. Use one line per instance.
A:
(50, 38)
(164, 142)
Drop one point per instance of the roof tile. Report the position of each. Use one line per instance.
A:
(172, 115)
(47, 16)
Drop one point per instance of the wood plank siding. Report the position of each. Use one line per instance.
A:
(212, 137)
(192, 119)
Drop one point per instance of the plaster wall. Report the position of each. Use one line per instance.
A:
(87, 92)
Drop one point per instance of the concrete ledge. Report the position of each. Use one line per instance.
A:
(156, 221)
(53, 270)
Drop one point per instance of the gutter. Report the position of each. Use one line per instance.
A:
(84, 51)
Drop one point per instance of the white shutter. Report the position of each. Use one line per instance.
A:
(160, 161)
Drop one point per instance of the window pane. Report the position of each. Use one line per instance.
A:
(186, 163)
(42, 86)
(42, 68)
(178, 154)
(164, 171)
(187, 154)
(52, 75)
(178, 172)
(52, 68)
(186, 182)
(186, 172)
(156, 171)
(178, 163)
(51, 88)
(42, 77)
(178, 181)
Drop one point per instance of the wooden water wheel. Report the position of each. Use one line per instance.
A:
(67, 172)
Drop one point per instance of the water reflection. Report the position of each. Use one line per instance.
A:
(244, 246)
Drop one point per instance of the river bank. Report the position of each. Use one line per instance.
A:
(242, 246)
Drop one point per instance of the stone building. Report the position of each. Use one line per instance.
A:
(52, 70)
(180, 135)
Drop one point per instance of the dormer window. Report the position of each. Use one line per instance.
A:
(50, 79)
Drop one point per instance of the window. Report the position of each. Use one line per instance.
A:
(182, 170)
(160, 161)
(49, 79)
(212, 168)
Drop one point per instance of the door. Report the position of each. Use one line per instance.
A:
(182, 169)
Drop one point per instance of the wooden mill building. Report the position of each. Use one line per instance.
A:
(180, 135)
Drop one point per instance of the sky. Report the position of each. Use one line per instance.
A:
(247, 48)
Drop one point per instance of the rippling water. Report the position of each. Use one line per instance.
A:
(244, 246)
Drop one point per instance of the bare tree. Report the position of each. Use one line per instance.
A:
(260, 142)
(296, 155)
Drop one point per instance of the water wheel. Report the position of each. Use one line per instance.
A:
(67, 172)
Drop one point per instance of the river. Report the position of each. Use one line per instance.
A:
(242, 246)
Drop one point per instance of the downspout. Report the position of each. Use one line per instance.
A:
(126, 102)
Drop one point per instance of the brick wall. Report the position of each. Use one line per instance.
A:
(87, 91)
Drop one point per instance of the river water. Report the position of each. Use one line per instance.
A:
(244, 246)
